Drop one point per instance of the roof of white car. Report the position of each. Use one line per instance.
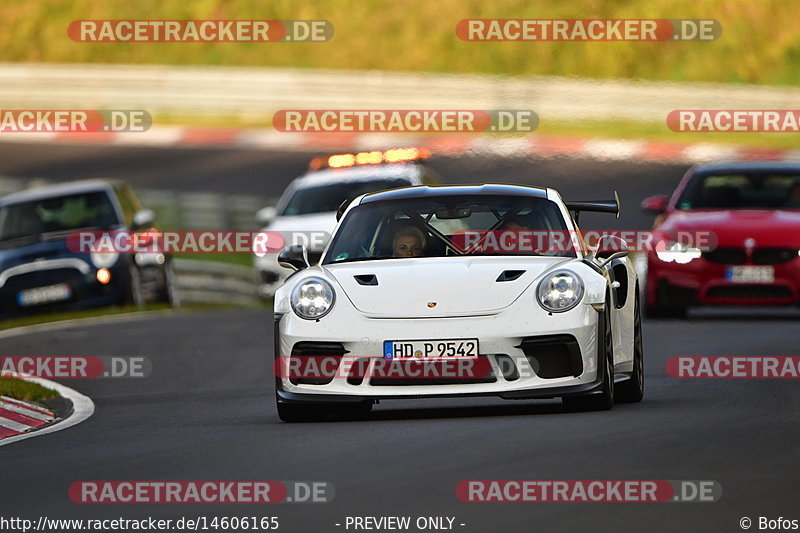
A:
(497, 189)
(390, 171)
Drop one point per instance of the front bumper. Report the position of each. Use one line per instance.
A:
(508, 348)
(84, 289)
(701, 282)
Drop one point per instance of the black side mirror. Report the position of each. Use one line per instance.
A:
(611, 247)
(294, 257)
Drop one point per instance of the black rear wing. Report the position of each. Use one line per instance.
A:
(600, 206)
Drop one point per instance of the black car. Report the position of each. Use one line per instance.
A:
(39, 271)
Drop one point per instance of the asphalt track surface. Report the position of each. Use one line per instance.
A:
(206, 412)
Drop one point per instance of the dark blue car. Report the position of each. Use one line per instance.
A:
(38, 271)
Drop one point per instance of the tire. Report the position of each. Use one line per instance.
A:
(169, 292)
(603, 400)
(135, 294)
(632, 390)
(289, 412)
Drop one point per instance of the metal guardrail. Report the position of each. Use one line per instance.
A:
(215, 282)
(259, 92)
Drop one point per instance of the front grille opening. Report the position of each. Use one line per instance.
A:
(753, 291)
(727, 256)
(553, 356)
(358, 371)
(773, 256)
(448, 372)
(760, 256)
(508, 369)
(40, 278)
(315, 363)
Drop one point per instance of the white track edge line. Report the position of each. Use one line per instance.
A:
(82, 408)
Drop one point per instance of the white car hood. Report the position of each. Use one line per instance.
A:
(459, 286)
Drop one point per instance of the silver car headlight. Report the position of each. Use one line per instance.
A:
(560, 291)
(103, 259)
(312, 298)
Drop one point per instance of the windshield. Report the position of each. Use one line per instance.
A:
(62, 213)
(328, 198)
(742, 191)
(450, 226)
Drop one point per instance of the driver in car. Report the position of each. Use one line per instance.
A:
(409, 241)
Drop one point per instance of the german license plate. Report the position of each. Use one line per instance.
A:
(750, 274)
(44, 295)
(430, 349)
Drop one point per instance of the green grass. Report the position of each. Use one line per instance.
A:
(243, 259)
(759, 41)
(25, 391)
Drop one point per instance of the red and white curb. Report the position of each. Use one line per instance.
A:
(17, 417)
(22, 420)
(533, 145)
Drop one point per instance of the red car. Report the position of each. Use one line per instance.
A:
(752, 209)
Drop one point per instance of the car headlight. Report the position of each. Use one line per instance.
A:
(560, 291)
(312, 298)
(103, 259)
(679, 253)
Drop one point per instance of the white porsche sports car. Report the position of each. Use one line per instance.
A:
(454, 291)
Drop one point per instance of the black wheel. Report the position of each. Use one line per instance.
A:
(169, 292)
(603, 400)
(135, 289)
(632, 390)
(289, 412)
